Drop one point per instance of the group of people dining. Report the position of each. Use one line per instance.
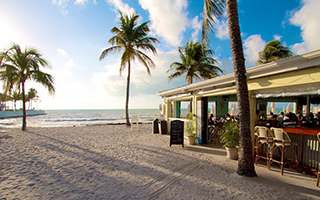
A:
(273, 119)
(290, 118)
(212, 120)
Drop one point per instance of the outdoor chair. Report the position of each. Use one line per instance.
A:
(282, 141)
(318, 176)
(264, 142)
(134, 119)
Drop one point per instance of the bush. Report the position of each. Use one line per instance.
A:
(230, 134)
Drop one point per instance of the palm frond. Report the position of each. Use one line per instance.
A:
(212, 10)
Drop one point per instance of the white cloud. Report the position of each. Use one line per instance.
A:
(252, 46)
(62, 52)
(307, 18)
(168, 18)
(196, 26)
(222, 31)
(83, 2)
(299, 48)
(277, 37)
(123, 7)
(70, 62)
(62, 4)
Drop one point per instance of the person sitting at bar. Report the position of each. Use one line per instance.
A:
(298, 115)
(294, 118)
(286, 118)
(270, 116)
(280, 118)
(273, 121)
(311, 118)
(262, 117)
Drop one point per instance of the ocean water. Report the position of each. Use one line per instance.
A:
(68, 118)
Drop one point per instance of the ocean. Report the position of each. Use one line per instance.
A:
(68, 118)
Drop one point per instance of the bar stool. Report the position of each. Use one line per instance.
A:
(318, 176)
(283, 142)
(264, 141)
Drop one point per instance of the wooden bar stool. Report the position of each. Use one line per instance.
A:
(264, 141)
(283, 142)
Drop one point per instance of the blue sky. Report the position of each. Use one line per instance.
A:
(71, 34)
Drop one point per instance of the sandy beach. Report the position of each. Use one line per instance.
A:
(113, 162)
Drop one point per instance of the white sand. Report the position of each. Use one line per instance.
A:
(112, 162)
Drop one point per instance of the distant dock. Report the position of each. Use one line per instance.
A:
(18, 113)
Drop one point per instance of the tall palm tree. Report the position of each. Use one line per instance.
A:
(32, 93)
(131, 38)
(17, 66)
(274, 50)
(195, 62)
(213, 9)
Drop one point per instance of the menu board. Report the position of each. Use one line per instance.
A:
(176, 132)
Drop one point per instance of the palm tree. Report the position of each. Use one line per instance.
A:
(17, 66)
(274, 50)
(195, 62)
(131, 38)
(15, 97)
(214, 9)
(3, 99)
(32, 93)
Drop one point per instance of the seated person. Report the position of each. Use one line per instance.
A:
(286, 118)
(271, 115)
(226, 119)
(211, 120)
(273, 121)
(280, 118)
(262, 117)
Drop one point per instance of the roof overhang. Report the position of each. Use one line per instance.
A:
(302, 61)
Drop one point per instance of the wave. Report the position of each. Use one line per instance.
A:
(79, 120)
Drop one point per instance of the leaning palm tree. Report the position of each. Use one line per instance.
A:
(273, 51)
(17, 66)
(131, 38)
(214, 9)
(195, 62)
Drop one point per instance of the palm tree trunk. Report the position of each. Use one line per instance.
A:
(24, 115)
(127, 97)
(246, 162)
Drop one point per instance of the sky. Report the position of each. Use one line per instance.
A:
(71, 34)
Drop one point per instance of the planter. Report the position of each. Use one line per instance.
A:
(232, 153)
(192, 140)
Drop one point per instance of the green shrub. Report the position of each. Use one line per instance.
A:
(230, 134)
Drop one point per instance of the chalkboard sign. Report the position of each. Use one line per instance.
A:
(176, 132)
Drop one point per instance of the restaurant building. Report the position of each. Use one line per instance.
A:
(295, 79)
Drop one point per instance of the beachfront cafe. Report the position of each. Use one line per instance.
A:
(295, 80)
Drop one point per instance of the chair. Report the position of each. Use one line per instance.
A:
(264, 140)
(283, 142)
(318, 176)
(134, 119)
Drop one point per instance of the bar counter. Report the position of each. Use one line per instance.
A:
(308, 145)
(303, 130)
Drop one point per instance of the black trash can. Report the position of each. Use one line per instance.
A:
(155, 126)
(162, 126)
